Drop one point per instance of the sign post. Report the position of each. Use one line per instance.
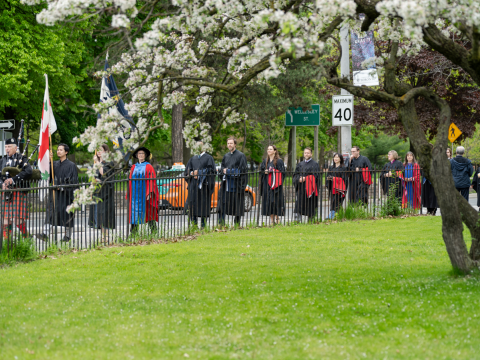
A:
(299, 117)
(5, 125)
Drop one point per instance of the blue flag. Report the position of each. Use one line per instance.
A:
(108, 91)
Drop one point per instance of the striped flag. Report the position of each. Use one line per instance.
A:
(48, 127)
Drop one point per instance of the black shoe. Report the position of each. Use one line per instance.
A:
(42, 236)
(65, 239)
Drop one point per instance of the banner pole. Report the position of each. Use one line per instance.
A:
(51, 169)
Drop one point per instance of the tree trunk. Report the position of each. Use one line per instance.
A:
(187, 153)
(177, 133)
(438, 170)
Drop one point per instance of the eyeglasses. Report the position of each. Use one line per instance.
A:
(140, 153)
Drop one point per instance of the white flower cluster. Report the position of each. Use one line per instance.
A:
(196, 129)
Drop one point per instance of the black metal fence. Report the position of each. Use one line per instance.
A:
(253, 199)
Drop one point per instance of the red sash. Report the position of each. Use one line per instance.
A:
(367, 176)
(311, 186)
(275, 179)
(338, 186)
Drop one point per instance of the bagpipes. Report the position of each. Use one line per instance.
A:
(11, 171)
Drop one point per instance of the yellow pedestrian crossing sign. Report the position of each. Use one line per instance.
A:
(453, 133)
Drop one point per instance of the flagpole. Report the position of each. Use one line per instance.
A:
(53, 174)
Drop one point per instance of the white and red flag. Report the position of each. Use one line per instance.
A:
(48, 127)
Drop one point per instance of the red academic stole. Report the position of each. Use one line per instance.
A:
(275, 179)
(311, 186)
(367, 176)
(338, 186)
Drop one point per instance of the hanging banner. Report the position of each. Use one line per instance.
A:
(363, 60)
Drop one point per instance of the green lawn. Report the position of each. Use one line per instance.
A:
(370, 289)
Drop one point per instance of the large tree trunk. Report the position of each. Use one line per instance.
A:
(437, 168)
(177, 133)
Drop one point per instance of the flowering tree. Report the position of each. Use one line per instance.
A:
(208, 52)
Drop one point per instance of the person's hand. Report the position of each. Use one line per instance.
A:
(357, 169)
(266, 171)
(195, 172)
(95, 159)
(51, 154)
(471, 186)
(7, 183)
(149, 196)
(389, 174)
(224, 171)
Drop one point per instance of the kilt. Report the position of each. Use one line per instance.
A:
(17, 208)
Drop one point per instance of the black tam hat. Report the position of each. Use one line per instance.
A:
(11, 141)
(145, 150)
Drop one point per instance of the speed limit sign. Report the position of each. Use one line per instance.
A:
(342, 110)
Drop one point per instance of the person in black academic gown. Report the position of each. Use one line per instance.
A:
(336, 175)
(391, 173)
(200, 177)
(65, 172)
(306, 181)
(272, 173)
(475, 186)
(231, 196)
(360, 177)
(102, 214)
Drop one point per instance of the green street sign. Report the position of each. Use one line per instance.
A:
(298, 117)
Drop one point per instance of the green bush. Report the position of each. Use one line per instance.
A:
(393, 205)
(353, 211)
(17, 249)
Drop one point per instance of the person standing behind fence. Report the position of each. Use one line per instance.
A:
(306, 181)
(412, 181)
(449, 154)
(142, 195)
(391, 177)
(462, 169)
(200, 177)
(231, 196)
(272, 174)
(15, 209)
(336, 176)
(360, 177)
(65, 174)
(102, 214)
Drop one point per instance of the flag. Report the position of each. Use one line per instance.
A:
(363, 59)
(47, 128)
(108, 91)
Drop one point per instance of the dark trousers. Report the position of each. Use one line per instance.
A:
(203, 220)
(431, 211)
(221, 219)
(464, 191)
(152, 225)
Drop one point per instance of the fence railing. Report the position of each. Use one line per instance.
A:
(178, 205)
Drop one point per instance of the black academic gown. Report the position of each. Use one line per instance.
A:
(429, 199)
(273, 202)
(65, 174)
(358, 189)
(388, 182)
(475, 184)
(231, 201)
(305, 205)
(105, 213)
(336, 200)
(199, 200)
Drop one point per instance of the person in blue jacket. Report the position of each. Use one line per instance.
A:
(462, 169)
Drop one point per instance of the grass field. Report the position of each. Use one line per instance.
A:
(370, 289)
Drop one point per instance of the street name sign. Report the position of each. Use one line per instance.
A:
(299, 117)
(342, 110)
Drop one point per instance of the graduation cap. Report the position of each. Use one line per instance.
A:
(11, 141)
